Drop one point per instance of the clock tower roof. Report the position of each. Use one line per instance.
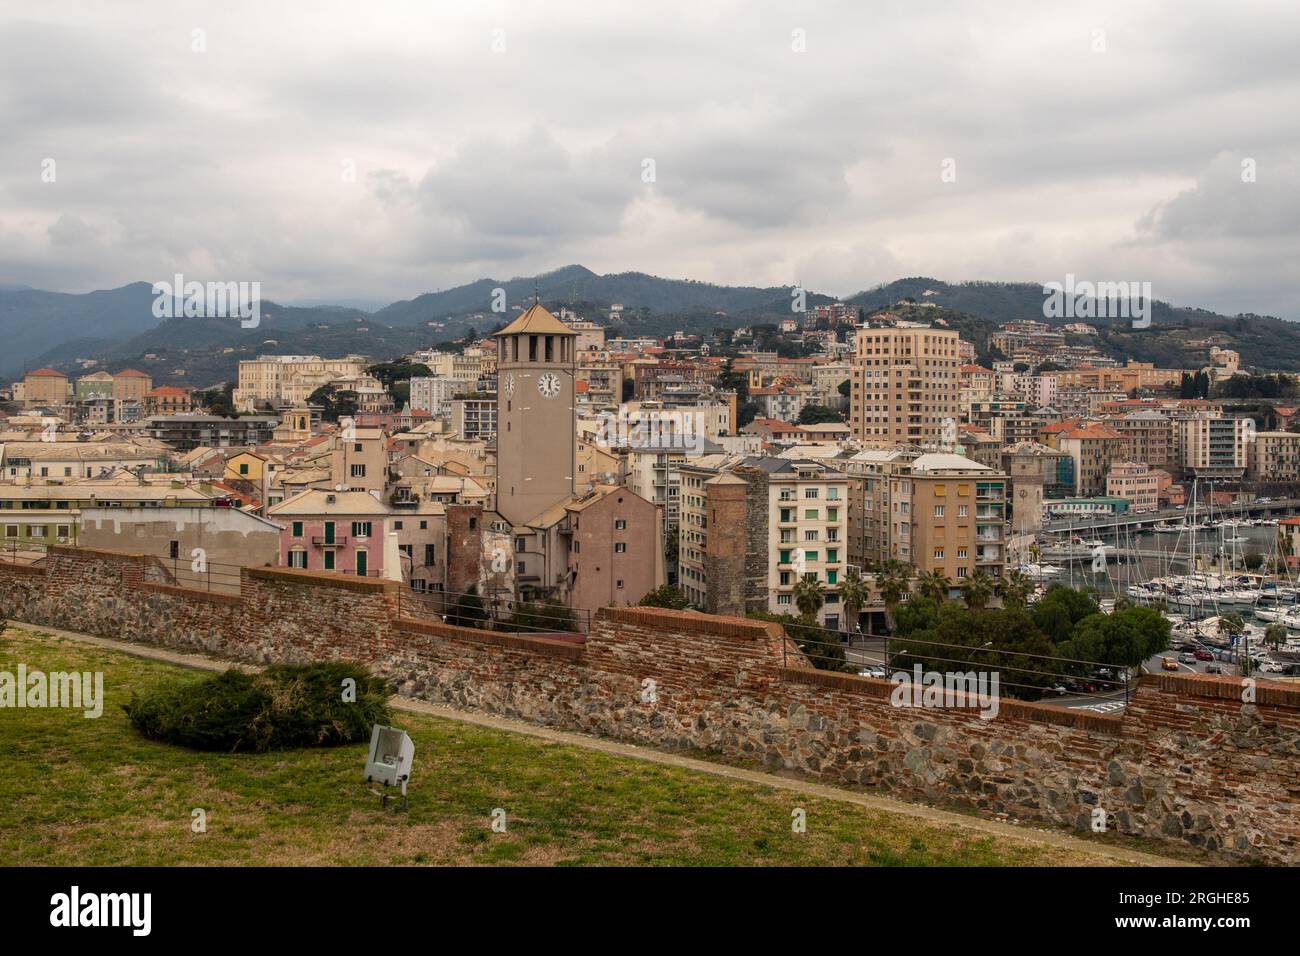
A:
(536, 321)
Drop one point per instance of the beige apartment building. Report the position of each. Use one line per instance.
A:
(905, 383)
(359, 460)
(1136, 482)
(936, 511)
(1093, 448)
(870, 473)
(1216, 447)
(131, 385)
(958, 515)
(276, 380)
(1150, 436)
(751, 528)
(45, 386)
(1277, 456)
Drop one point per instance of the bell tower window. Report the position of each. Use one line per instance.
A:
(532, 348)
(550, 348)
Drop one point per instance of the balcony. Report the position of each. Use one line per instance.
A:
(338, 541)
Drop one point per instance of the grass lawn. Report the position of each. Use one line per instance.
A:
(80, 791)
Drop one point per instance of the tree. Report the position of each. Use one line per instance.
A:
(732, 381)
(1124, 638)
(1275, 634)
(747, 413)
(854, 593)
(1001, 640)
(817, 415)
(824, 650)
(916, 615)
(335, 404)
(809, 598)
(390, 373)
(665, 596)
(219, 401)
(468, 611)
(1016, 588)
(1060, 609)
(978, 590)
(891, 581)
(548, 615)
(935, 585)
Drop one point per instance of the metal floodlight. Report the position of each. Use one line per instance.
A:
(389, 761)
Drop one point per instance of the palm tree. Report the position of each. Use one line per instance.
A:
(853, 594)
(935, 585)
(1275, 634)
(891, 582)
(1016, 588)
(979, 588)
(809, 598)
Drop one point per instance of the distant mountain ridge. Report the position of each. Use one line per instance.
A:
(117, 326)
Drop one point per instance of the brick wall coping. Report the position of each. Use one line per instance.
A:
(29, 569)
(1275, 693)
(551, 647)
(1007, 707)
(691, 621)
(330, 579)
(70, 551)
(196, 594)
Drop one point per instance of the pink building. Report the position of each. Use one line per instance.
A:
(343, 531)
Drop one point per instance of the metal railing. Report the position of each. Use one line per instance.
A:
(495, 612)
(216, 576)
(14, 551)
(1039, 677)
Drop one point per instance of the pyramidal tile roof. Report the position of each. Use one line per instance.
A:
(535, 320)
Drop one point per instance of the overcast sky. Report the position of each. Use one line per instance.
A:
(375, 150)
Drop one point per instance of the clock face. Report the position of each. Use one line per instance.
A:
(510, 385)
(549, 385)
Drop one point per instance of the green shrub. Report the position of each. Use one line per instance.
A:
(285, 706)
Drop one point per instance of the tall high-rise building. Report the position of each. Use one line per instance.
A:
(905, 386)
(536, 434)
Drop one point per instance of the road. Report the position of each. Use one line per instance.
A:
(868, 651)
(1108, 525)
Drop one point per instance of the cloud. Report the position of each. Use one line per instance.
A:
(332, 151)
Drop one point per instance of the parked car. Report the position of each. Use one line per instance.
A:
(1168, 663)
(1272, 667)
(871, 670)
(1203, 655)
(1188, 657)
(1213, 669)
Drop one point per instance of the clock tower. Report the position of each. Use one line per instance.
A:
(536, 427)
